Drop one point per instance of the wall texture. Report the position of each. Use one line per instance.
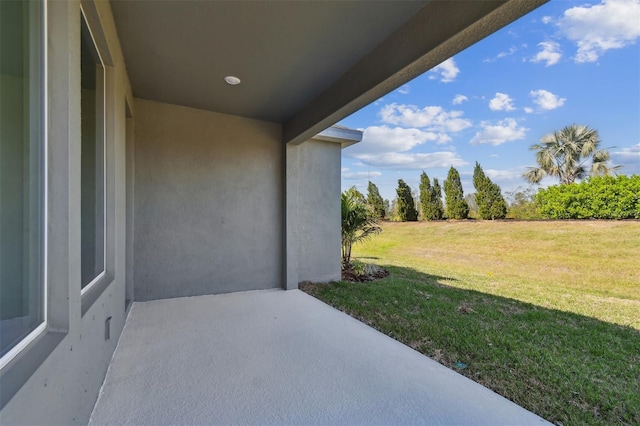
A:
(60, 374)
(208, 202)
(313, 212)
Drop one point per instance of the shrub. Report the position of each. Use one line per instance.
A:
(598, 197)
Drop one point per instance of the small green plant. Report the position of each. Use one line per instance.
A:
(358, 267)
(358, 222)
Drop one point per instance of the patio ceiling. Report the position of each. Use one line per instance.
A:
(303, 64)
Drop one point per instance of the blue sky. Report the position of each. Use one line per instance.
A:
(566, 62)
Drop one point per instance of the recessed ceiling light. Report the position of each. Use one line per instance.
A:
(232, 80)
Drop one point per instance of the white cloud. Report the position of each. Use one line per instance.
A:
(503, 54)
(550, 53)
(446, 71)
(359, 175)
(509, 52)
(546, 19)
(415, 161)
(528, 110)
(504, 175)
(506, 130)
(387, 147)
(501, 102)
(458, 99)
(383, 139)
(630, 153)
(404, 90)
(433, 118)
(546, 100)
(612, 24)
(628, 158)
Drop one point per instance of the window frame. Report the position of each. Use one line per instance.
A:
(92, 291)
(42, 108)
(101, 119)
(19, 363)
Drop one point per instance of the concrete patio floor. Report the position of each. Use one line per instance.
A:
(280, 357)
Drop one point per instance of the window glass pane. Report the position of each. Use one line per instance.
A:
(92, 162)
(21, 172)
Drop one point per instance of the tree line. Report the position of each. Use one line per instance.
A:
(569, 155)
(429, 205)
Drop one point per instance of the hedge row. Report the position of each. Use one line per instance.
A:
(601, 197)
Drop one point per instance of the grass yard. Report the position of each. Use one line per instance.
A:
(545, 313)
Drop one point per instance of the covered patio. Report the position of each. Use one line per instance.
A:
(279, 357)
(181, 150)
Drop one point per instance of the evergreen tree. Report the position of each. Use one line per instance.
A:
(375, 201)
(437, 212)
(425, 195)
(491, 203)
(430, 198)
(406, 205)
(457, 207)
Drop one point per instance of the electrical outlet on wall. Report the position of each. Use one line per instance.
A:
(107, 328)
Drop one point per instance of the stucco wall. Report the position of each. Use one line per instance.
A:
(59, 376)
(313, 212)
(208, 202)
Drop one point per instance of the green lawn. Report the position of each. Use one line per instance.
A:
(545, 313)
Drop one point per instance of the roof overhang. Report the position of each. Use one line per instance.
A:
(305, 65)
(340, 134)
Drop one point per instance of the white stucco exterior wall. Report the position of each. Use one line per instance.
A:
(208, 202)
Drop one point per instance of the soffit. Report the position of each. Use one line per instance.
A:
(286, 53)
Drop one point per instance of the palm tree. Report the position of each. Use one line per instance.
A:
(563, 154)
(358, 223)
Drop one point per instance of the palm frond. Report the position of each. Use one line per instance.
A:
(534, 175)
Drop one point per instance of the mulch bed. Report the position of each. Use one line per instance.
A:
(371, 273)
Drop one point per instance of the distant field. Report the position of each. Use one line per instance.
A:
(546, 314)
(586, 267)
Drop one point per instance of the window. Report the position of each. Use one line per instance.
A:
(92, 165)
(22, 176)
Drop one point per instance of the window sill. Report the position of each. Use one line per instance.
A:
(16, 373)
(95, 290)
